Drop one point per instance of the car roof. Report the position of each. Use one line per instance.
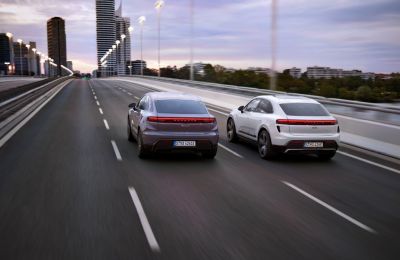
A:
(280, 99)
(172, 95)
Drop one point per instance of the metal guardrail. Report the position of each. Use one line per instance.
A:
(256, 91)
(12, 100)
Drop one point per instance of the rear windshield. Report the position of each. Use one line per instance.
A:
(175, 106)
(304, 109)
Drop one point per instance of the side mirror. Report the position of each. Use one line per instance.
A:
(241, 108)
(132, 105)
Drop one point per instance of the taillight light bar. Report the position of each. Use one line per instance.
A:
(158, 119)
(305, 122)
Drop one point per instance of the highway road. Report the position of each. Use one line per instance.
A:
(72, 187)
(13, 82)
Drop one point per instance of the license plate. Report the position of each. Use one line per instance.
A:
(313, 144)
(184, 144)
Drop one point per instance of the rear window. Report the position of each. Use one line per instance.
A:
(175, 106)
(304, 109)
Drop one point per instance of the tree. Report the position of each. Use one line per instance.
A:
(364, 93)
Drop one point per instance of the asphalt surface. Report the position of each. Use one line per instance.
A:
(7, 83)
(65, 195)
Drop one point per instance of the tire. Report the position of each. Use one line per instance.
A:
(142, 152)
(231, 131)
(265, 146)
(326, 155)
(129, 131)
(209, 154)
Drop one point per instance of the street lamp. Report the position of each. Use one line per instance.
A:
(117, 42)
(273, 44)
(110, 61)
(158, 5)
(12, 62)
(141, 21)
(114, 47)
(130, 30)
(123, 36)
(29, 66)
(20, 53)
(191, 38)
(34, 56)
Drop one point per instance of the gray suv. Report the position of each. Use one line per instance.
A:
(169, 121)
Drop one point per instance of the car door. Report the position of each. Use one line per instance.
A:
(243, 118)
(258, 116)
(137, 113)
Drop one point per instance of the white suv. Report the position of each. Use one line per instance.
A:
(285, 124)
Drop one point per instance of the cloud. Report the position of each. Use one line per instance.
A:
(341, 33)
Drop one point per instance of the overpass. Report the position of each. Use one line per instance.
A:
(71, 185)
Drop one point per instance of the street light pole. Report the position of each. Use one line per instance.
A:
(20, 53)
(117, 42)
(109, 62)
(114, 47)
(11, 53)
(34, 60)
(141, 21)
(130, 30)
(29, 65)
(158, 5)
(123, 36)
(273, 44)
(191, 38)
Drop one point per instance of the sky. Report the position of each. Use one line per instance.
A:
(348, 34)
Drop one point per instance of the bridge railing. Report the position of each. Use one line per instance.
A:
(256, 91)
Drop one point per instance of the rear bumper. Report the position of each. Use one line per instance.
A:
(163, 141)
(294, 146)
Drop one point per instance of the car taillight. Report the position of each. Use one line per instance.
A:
(305, 122)
(183, 120)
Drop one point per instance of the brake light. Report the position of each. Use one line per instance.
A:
(305, 122)
(183, 120)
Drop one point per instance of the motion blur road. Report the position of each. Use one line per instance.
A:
(13, 82)
(65, 179)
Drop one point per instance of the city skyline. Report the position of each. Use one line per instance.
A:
(350, 35)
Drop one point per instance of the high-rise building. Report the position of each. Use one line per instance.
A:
(56, 42)
(124, 51)
(20, 58)
(34, 60)
(105, 32)
(7, 64)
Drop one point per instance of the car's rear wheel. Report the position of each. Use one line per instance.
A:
(326, 155)
(209, 154)
(142, 152)
(265, 146)
(231, 131)
(129, 131)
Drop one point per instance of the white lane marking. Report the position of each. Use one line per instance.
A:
(129, 93)
(116, 151)
(97, 102)
(229, 150)
(370, 162)
(106, 124)
(137, 97)
(23, 122)
(100, 110)
(143, 220)
(219, 112)
(95, 97)
(327, 206)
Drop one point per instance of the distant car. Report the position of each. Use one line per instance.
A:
(166, 121)
(285, 124)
